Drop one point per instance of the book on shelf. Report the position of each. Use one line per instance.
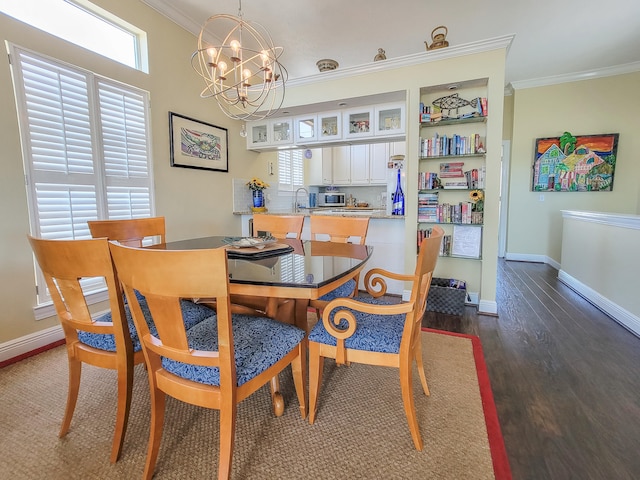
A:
(445, 244)
(476, 177)
(428, 181)
(455, 186)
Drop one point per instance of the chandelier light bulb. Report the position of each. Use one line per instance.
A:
(250, 83)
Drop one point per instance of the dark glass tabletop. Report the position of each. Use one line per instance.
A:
(292, 263)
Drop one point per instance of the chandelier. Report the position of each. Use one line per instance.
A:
(242, 71)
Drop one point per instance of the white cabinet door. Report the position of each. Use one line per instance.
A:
(281, 130)
(257, 135)
(341, 165)
(389, 119)
(398, 148)
(327, 166)
(313, 167)
(306, 129)
(329, 126)
(359, 164)
(378, 159)
(358, 123)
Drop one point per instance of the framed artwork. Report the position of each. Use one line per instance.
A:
(583, 163)
(196, 144)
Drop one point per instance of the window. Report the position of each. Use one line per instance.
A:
(290, 170)
(84, 24)
(84, 141)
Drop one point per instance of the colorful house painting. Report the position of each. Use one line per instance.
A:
(575, 164)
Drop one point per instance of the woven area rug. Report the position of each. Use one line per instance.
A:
(360, 432)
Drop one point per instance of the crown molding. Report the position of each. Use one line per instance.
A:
(577, 76)
(164, 7)
(408, 60)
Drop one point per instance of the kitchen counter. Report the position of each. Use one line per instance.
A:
(338, 212)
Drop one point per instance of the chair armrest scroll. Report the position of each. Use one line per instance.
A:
(375, 283)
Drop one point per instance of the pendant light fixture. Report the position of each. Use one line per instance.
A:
(240, 66)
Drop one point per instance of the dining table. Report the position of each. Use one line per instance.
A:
(288, 269)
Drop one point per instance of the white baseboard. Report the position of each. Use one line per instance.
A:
(527, 257)
(488, 307)
(28, 343)
(615, 311)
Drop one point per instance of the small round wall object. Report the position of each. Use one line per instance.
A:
(308, 153)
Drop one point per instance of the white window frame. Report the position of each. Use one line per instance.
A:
(83, 136)
(290, 170)
(84, 24)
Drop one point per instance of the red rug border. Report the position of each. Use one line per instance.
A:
(501, 468)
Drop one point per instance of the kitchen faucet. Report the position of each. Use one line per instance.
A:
(296, 206)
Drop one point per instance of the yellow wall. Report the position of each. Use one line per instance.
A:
(194, 202)
(488, 65)
(602, 105)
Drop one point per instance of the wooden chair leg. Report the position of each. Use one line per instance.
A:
(299, 370)
(316, 363)
(420, 364)
(276, 396)
(158, 399)
(75, 372)
(125, 392)
(409, 404)
(227, 437)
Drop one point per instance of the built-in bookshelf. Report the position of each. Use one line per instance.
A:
(451, 169)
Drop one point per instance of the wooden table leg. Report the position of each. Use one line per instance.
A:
(300, 314)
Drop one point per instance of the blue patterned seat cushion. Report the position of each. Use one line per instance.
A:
(344, 290)
(374, 333)
(258, 343)
(191, 312)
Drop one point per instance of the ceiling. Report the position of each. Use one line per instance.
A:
(551, 37)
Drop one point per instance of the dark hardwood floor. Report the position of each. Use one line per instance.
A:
(565, 378)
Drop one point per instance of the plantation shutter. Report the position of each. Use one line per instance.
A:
(290, 170)
(85, 147)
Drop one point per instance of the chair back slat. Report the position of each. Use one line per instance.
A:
(279, 226)
(164, 277)
(64, 263)
(339, 229)
(130, 232)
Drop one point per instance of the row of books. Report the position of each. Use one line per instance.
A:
(475, 177)
(443, 145)
(461, 213)
(445, 245)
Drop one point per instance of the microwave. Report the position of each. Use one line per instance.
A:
(331, 199)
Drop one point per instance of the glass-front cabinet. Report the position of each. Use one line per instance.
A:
(281, 131)
(306, 128)
(330, 126)
(358, 123)
(389, 119)
(257, 134)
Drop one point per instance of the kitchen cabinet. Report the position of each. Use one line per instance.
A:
(330, 126)
(379, 157)
(281, 131)
(327, 166)
(305, 129)
(357, 123)
(267, 133)
(341, 165)
(389, 119)
(360, 173)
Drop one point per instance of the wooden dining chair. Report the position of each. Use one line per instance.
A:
(278, 226)
(376, 332)
(103, 342)
(131, 232)
(108, 341)
(341, 230)
(215, 364)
